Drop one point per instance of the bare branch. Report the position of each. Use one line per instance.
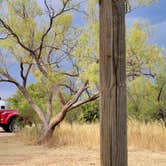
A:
(49, 106)
(8, 78)
(160, 92)
(67, 106)
(52, 17)
(77, 95)
(59, 94)
(138, 73)
(28, 70)
(22, 71)
(91, 98)
(62, 99)
(48, 8)
(70, 74)
(24, 77)
(68, 87)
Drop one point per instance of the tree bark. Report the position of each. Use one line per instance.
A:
(71, 104)
(113, 128)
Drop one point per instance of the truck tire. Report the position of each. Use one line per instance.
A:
(6, 128)
(14, 125)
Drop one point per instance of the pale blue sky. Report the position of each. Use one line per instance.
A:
(155, 14)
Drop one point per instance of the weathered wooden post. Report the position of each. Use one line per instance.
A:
(113, 83)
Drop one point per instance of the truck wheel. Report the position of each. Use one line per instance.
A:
(14, 125)
(6, 128)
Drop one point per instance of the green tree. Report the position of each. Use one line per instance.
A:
(145, 71)
(161, 89)
(143, 58)
(19, 102)
(87, 113)
(38, 38)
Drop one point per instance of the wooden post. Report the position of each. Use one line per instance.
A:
(113, 128)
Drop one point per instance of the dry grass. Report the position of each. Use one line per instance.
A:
(150, 136)
(28, 135)
(86, 135)
(78, 138)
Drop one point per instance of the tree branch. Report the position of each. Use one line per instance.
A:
(24, 77)
(49, 106)
(91, 98)
(77, 95)
(68, 87)
(32, 52)
(8, 78)
(160, 92)
(52, 17)
(8, 28)
(67, 106)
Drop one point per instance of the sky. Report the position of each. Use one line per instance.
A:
(155, 14)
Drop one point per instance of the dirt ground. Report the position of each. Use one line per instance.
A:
(14, 153)
(4, 134)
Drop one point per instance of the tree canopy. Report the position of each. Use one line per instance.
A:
(39, 39)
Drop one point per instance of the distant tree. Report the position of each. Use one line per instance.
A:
(143, 101)
(161, 90)
(145, 72)
(143, 57)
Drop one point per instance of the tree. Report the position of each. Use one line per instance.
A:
(145, 63)
(143, 58)
(161, 90)
(38, 38)
(142, 55)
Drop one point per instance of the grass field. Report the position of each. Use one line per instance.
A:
(150, 136)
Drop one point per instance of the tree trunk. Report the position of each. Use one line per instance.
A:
(45, 135)
(113, 83)
(48, 132)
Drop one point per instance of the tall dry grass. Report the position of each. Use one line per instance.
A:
(150, 136)
(86, 135)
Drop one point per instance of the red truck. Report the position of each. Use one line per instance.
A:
(10, 120)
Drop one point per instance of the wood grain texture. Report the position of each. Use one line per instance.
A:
(113, 128)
